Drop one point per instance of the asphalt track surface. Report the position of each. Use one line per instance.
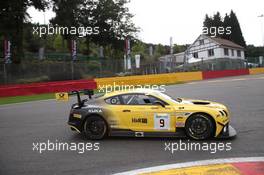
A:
(23, 124)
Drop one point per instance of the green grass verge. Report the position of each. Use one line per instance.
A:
(19, 99)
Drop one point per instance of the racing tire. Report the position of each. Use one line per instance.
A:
(199, 127)
(95, 128)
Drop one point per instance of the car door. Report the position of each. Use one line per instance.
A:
(142, 115)
(135, 114)
(162, 118)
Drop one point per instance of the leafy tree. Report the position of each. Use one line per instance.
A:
(13, 15)
(67, 14)
(110, 17)
(159, 50)
(138, 48)
(253, 51)
(58, 44)
(179, 48)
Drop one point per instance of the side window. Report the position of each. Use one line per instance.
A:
(138, 99)
(113, 100)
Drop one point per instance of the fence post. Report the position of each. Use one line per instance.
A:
(5, 74)
(72, 70)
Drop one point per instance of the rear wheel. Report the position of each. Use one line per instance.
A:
(95, 128)
(199, 126)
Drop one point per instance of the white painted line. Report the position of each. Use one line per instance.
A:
(259, 78)
(229, 80)
(190, 164)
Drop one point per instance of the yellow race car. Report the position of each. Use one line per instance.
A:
(148, 113)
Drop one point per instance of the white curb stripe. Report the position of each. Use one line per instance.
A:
(190, 164)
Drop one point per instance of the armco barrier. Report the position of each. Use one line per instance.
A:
(224, 73)
(168, 78)
(48, 87)
(256, 71)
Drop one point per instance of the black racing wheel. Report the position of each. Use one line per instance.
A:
(95, 128)
(199, 126)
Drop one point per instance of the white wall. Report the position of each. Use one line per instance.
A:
(235, 56)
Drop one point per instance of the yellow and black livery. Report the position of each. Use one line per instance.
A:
(148, 113)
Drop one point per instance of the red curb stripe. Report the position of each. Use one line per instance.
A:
(224, 73)
(47, 87)
(250, 168)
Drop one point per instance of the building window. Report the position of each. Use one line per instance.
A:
(232, 52)
(226, 51)
(195, 54)
(201, 42)
(239, 53)
(210, 52)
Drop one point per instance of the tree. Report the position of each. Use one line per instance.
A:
(217, 22)
(236, 35)
(13, 15)
(229, 21)
(67, 14)
(114, 22)
(159, 50)
(179, 48)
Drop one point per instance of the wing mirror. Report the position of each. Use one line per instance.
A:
(159, 103)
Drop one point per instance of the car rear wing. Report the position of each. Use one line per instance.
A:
(64, 96)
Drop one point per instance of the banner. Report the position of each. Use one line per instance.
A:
(260, 60)
(125, 63)
(73, 50)
(7, 51)
(128, 56)
(137, 59)
(127, 46)
(128, 62)
(41, 53)
(171, 46)
(101, 52)
(151, 50)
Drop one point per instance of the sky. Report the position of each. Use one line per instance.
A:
(183, 19)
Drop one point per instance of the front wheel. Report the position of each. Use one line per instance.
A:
(95, 128)
(199, 127)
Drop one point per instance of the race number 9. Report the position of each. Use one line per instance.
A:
(161, 121)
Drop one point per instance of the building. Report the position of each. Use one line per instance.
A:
(206, 53)
(206, 48)
(175, 58)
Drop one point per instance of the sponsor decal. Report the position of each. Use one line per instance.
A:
(95, 110)
(139, 120)
(77, 115)
(62, 96)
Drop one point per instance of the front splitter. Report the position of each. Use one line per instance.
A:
(230, 132)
